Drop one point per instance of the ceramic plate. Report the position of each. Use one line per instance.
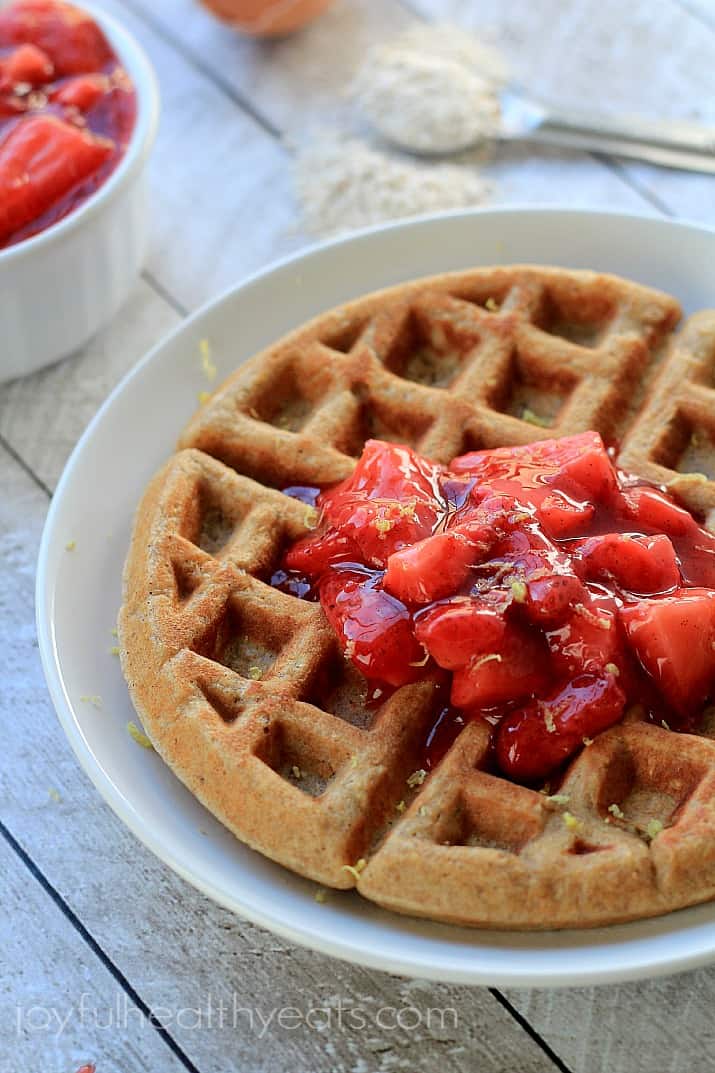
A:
(78, 594)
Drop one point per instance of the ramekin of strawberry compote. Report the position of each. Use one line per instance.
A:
(541, 589)
(78, 113)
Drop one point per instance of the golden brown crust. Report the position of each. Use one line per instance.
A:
(243, 690)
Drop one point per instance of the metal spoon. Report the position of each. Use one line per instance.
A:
(672, 143)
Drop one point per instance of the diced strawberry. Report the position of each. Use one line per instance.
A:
(390, 501)
(379, 527)
(11, 106)
(441, 564)
(578, 465)
(643, 565)
(674, 639)
(589, 639)
(534, 741)
(518, 668)
(549, 598)
(456, 631)
(563, 517)
(69, 36)
(435, 567)
(392, 471)
(588, 470)
(374, 629)
(653, 511)
(41, 160)
(26, 65)
(81, 92)
(525, 557)
(313, 555)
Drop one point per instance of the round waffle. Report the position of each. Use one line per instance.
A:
(243, 689)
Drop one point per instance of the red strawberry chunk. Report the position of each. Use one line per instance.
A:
(26, 65)
(526, 558)
(589, 639)
(534, 741)
(374, 629)
(379, 527)
(588, 470)
(517, 668)
(315, 554)
(390, 501)
(652, 511)
(578, 465)
(674, 639)
(643, 565)
(68, 35)
(431, 569)
(563, 517)
(81, 92)
(441, 564)
(456, 631)
(41, 160)
(392, 471)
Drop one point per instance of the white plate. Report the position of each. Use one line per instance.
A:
(78, 593)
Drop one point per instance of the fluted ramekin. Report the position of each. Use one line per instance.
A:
(60, 286)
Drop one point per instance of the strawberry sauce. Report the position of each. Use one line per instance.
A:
(67, 111)
(542, 589)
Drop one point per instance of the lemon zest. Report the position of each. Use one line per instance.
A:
(416, 778)
(519, 591)
(653, 828)
(207, 363)
(355, 869)
(139, 736)
(559, 799)
(535, 419)
(479, 660)
(310, 518)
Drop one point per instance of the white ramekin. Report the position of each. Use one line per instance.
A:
(59, 287)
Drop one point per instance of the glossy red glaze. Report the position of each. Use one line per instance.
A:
(67, 111)
(537, 738)
(553, 588)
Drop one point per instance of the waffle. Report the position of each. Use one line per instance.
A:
(244, 691)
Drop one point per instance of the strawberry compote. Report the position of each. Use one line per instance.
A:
(67, 111)
(547, 590)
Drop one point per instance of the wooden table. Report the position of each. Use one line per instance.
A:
(95, 932)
